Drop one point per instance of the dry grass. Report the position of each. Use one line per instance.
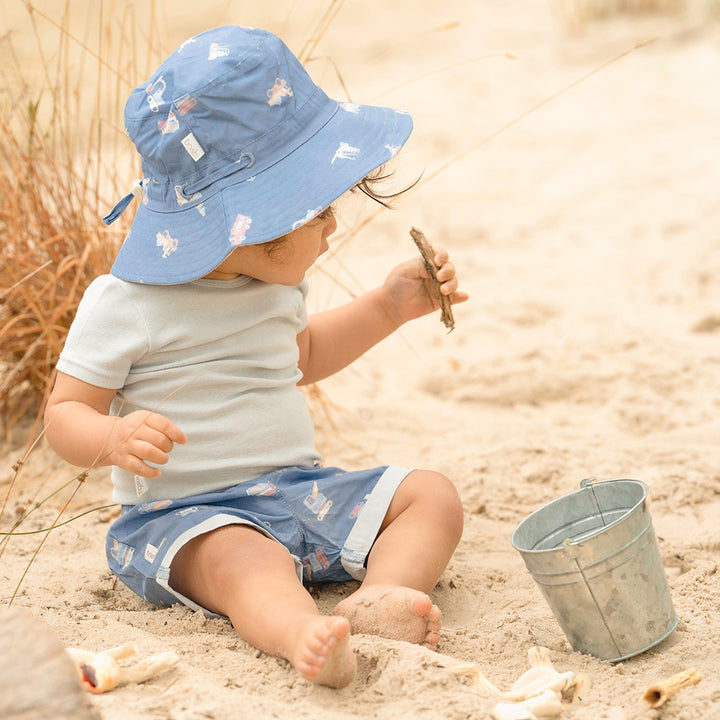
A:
(52, 248)
(54, 170)
(64, 161)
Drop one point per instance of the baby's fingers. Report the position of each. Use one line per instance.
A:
(446, 272)
(154, 438)
(162, 425)
(148, 452)
(440, 257)
(136, 466)
(450, 286)
(447, 276)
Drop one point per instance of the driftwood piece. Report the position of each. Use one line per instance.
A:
(426, 250)
(39, 680)
(659, 693)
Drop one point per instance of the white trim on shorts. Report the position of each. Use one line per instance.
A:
(366, 527)
(162, 577)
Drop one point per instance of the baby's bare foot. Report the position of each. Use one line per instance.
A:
(323, 654)
(394, 612)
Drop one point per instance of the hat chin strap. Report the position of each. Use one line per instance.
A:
(245, 161)
(119, 209)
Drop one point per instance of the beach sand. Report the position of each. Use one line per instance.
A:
(587, 236)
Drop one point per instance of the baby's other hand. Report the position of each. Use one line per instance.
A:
(411, 292)
(141, 437)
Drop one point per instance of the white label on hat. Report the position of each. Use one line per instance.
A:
(191, 144)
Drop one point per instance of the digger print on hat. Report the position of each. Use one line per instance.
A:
(238, 146)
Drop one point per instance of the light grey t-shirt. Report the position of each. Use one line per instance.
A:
(219, 358)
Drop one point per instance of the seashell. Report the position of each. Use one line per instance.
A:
(540, 677)
(536, 693)
(547, 704)
(100, 672)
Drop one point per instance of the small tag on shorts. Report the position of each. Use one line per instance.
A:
(140, 485)
(192, 146)
(150, 552)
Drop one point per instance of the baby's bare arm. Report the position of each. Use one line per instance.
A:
(335, 338)
(79, 429)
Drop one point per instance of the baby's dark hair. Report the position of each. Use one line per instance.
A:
(368, 185)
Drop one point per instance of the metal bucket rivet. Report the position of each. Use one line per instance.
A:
(594, 556)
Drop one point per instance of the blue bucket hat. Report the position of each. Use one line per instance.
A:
(239, 146)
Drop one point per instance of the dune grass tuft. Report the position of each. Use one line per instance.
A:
(58, 170)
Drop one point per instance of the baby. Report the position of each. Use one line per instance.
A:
(182, 366)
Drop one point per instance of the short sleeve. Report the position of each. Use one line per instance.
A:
(107, 336)
(302, 314)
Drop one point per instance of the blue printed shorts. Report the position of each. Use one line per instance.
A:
(327, 518)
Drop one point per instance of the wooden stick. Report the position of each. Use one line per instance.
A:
(427, 253)
(657, 694)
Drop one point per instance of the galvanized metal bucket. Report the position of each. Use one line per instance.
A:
(594, 556)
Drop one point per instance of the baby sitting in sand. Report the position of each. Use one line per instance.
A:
(181, 368)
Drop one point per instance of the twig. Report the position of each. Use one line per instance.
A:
(446, 314)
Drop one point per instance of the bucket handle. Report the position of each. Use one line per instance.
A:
(590, 483)
(573, 556)
(584, 485)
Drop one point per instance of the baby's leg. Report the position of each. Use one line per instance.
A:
(239, 572)
(419, 534)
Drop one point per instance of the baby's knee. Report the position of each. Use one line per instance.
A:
(440, 492)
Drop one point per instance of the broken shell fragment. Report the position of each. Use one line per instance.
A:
(537, 680)
(538, 692)
(546, 704)
(100, 672)
(540, 677)
(657, 694)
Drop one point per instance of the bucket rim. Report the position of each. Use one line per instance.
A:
(584, 485)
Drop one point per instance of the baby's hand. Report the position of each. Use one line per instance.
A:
(141, 437)
(410, 291)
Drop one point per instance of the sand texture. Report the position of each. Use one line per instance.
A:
(587, 234)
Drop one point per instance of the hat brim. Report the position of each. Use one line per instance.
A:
(165, 248)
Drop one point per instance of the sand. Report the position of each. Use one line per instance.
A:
(587, 237)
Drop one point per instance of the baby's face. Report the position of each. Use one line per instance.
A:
(283, 261)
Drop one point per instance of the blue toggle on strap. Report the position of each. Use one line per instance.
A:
(121, 206)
